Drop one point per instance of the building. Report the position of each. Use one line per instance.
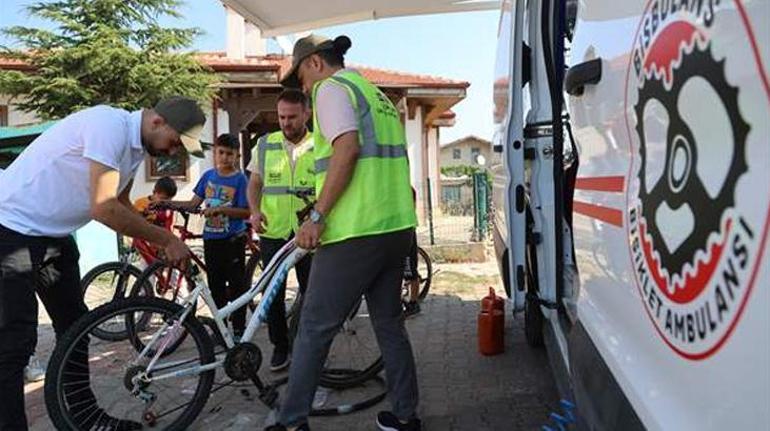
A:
(465, 152)
(246, 105)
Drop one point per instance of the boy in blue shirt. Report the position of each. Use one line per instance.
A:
(223, 190)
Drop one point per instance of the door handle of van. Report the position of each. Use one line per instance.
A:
(580, 75)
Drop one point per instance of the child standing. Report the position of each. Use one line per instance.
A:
(223, 190)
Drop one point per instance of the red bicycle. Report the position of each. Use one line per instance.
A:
(114, 280)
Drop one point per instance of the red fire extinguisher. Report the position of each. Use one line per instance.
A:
(491, 324)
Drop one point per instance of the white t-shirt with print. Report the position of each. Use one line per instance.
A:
(46, 190)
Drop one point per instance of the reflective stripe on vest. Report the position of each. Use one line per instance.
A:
(285, 190)
(378, 198)
(262, 147)
(370, 147)
(280, 182)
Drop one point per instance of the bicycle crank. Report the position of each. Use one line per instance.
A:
(243, 361)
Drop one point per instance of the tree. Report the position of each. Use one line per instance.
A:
(103, 52)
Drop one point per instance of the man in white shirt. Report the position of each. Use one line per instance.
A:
(79, 170)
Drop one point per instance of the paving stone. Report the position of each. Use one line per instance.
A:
(461, 389)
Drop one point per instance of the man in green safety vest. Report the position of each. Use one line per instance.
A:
(281, 163)
(362, 224)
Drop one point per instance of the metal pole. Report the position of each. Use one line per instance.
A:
(475, 195)
(484, 205)
(430, 215)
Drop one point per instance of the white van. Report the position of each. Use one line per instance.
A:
(631, 227)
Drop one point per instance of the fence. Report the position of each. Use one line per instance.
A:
(463, 212)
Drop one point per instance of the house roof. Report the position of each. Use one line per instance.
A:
(14, 64)
(447, 115)
(280, 64)
(219, 62)
(465, 139)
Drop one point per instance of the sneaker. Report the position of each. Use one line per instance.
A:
(280, 360)
(387, 421)
(411, 308)
(279, 427)
(320, 397)
(34, 371)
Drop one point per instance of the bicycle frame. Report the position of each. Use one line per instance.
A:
(272, 277)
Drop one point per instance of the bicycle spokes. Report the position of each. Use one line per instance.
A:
(355, 346)
(155, 386)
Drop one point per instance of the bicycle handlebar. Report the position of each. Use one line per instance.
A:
(162, 206)
(302, 214)
(305, 196)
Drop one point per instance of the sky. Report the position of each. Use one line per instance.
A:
(457, 46)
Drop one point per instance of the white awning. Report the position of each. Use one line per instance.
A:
(277, 18)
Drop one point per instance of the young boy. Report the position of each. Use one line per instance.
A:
(223, 190)
(164, 190)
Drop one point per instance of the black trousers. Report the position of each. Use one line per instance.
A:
(48, 266)
(410, 270)
(226, 274)
(276, 316)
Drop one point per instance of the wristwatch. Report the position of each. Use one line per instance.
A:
(316, 217)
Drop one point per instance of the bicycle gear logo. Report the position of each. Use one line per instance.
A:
(694, 232)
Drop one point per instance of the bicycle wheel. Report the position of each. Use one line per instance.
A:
(108, 282)
(91, 383)
(354, 356)
(424, 271)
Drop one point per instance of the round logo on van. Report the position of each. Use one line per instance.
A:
(697, 195)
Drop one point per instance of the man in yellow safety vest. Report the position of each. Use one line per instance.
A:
(282, 163)
(362, 224)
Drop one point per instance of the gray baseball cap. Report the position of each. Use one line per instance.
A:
(306, 47)
(186, 117)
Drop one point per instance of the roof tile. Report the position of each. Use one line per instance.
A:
(219, 62)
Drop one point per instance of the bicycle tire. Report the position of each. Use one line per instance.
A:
(124, 271)
(336, 378)
(54, 391)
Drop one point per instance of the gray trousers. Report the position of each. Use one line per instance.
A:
(372, 266)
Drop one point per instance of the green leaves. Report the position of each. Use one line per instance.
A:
(460, 170)
(103, 52)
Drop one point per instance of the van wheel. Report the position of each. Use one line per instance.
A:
(533, 321)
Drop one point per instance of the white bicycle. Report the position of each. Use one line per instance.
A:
(163, 373)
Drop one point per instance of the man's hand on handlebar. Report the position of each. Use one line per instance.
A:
(309, 235)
